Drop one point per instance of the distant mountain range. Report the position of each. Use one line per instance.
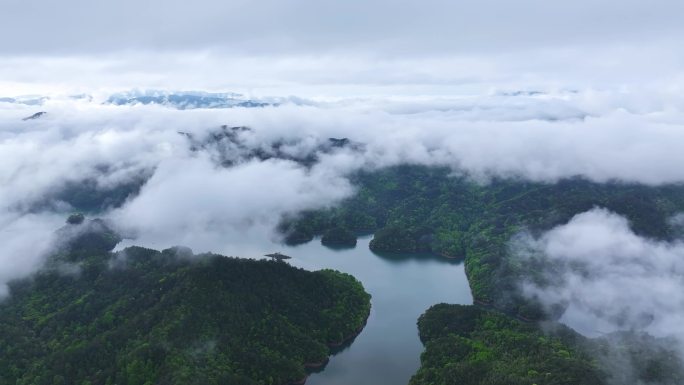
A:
(181, 100)
(187, 99)
(29, 100)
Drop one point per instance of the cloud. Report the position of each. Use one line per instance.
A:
(308, 26)
(334, 49)
(190, 199)
(25, 241)
(609, 277)
(353, 72)
(193, 202)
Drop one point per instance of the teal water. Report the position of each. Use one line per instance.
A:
(403, 286)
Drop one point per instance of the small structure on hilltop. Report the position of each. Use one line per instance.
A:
(277, 256)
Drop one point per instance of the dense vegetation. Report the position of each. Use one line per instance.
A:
(141, 316)
(415, 208)
(338, 236)
(418, 209)
(87, 195)
(468, 345)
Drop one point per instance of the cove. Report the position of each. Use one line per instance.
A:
(403, 286)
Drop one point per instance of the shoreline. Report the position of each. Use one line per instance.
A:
(334, 344)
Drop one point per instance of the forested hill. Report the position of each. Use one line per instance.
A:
(498, 341)
(419, 209)
(469, 345)
(141, 316)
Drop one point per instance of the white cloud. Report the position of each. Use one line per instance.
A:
(25, 240)
(630, 135)
(610, 278)
(193, 202)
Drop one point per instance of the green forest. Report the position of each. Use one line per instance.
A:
(499, 340)
(470, 345)
(143, 317)
(431, 209)
(338, 237)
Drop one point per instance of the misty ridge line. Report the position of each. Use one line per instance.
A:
(285, 159)
(530, 136)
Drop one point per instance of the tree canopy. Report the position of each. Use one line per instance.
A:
(141, 316)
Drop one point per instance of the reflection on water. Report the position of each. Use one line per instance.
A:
(403, 286)
(403, 257)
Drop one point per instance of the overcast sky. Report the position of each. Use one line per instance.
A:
(402, 28)
(338, 47)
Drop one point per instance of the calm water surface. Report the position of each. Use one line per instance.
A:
(403, 286)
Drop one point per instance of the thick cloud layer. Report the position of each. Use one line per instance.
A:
(192, 199)
(25, 240)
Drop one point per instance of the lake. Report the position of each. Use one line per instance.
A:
(403, 286)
